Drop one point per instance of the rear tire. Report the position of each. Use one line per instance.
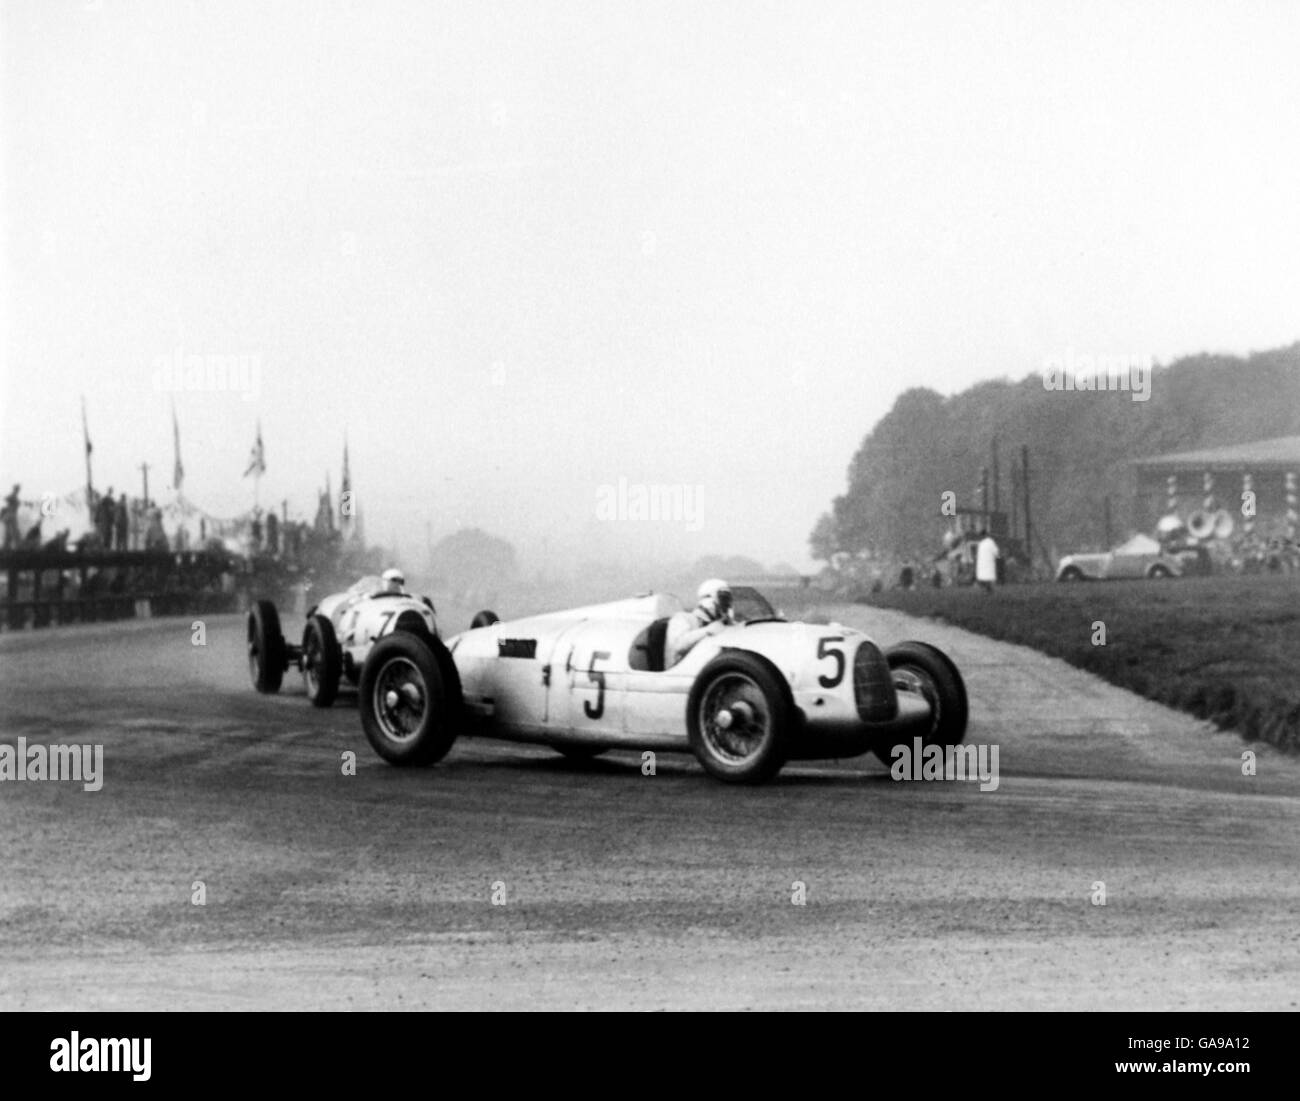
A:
(924, 669)
(1071, 573)
(266, 652)
(410, 707)
(739, 718)
(322, 661)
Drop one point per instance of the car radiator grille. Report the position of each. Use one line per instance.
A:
(873, 687)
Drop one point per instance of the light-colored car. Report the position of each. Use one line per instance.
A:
(744, 700)
(1139, 557)
(339, 633)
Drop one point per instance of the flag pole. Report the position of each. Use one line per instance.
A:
(85, 435)
(178, 468)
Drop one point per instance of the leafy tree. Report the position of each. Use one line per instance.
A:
(1081, 448)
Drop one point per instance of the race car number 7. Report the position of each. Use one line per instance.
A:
(826, 649)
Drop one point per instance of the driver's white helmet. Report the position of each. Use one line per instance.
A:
(715, 599)
(394, 580)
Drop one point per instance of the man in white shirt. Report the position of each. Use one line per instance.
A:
(986, 562)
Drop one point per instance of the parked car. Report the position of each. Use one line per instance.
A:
(1141, 556)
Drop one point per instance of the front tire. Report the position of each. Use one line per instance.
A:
(928, 671)
(1071, 573)
(322, 661)
(410, 706)
(266, 651)
(739, 719)
(485, 618)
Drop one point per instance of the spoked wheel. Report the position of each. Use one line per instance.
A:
(322, 661)
(409, 709)
(928, 672)
(739, 719)
(266, 653)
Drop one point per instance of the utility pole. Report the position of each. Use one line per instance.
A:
(1014, 495)
(1024, 484)
(1106, 513)
(997, 480)
(144, 469)
(984, 496)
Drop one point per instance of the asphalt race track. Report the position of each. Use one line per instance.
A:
(619, 890)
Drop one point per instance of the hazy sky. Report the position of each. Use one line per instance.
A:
(522, 251)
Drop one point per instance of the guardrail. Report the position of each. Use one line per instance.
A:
(44, 588)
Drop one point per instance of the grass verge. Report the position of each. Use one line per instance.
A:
(1225, 649)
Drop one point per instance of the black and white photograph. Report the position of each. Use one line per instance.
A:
(566, 505)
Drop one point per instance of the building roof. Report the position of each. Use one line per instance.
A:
(1282, 452)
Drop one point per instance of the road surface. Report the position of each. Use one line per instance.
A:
(509, 877)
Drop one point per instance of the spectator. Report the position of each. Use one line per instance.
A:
(123, 525)
(986, 562)
(105, 514)
(10, 512)
(155, 538)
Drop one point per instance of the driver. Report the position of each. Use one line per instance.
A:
(709, 616)
(393, 581)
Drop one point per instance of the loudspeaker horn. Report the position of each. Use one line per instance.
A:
(1200, 524)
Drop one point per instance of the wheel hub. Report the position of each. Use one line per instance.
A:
(738, 714)
(400, 699)
(734, 724)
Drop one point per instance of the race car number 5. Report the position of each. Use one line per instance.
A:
(827, 649)
(597, 677)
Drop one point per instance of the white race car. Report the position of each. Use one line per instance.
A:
(338, 635)
(745, 700)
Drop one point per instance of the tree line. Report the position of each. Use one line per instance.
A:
(1081, 446)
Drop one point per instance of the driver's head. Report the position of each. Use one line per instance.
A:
(715, 599)
(394, 581)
